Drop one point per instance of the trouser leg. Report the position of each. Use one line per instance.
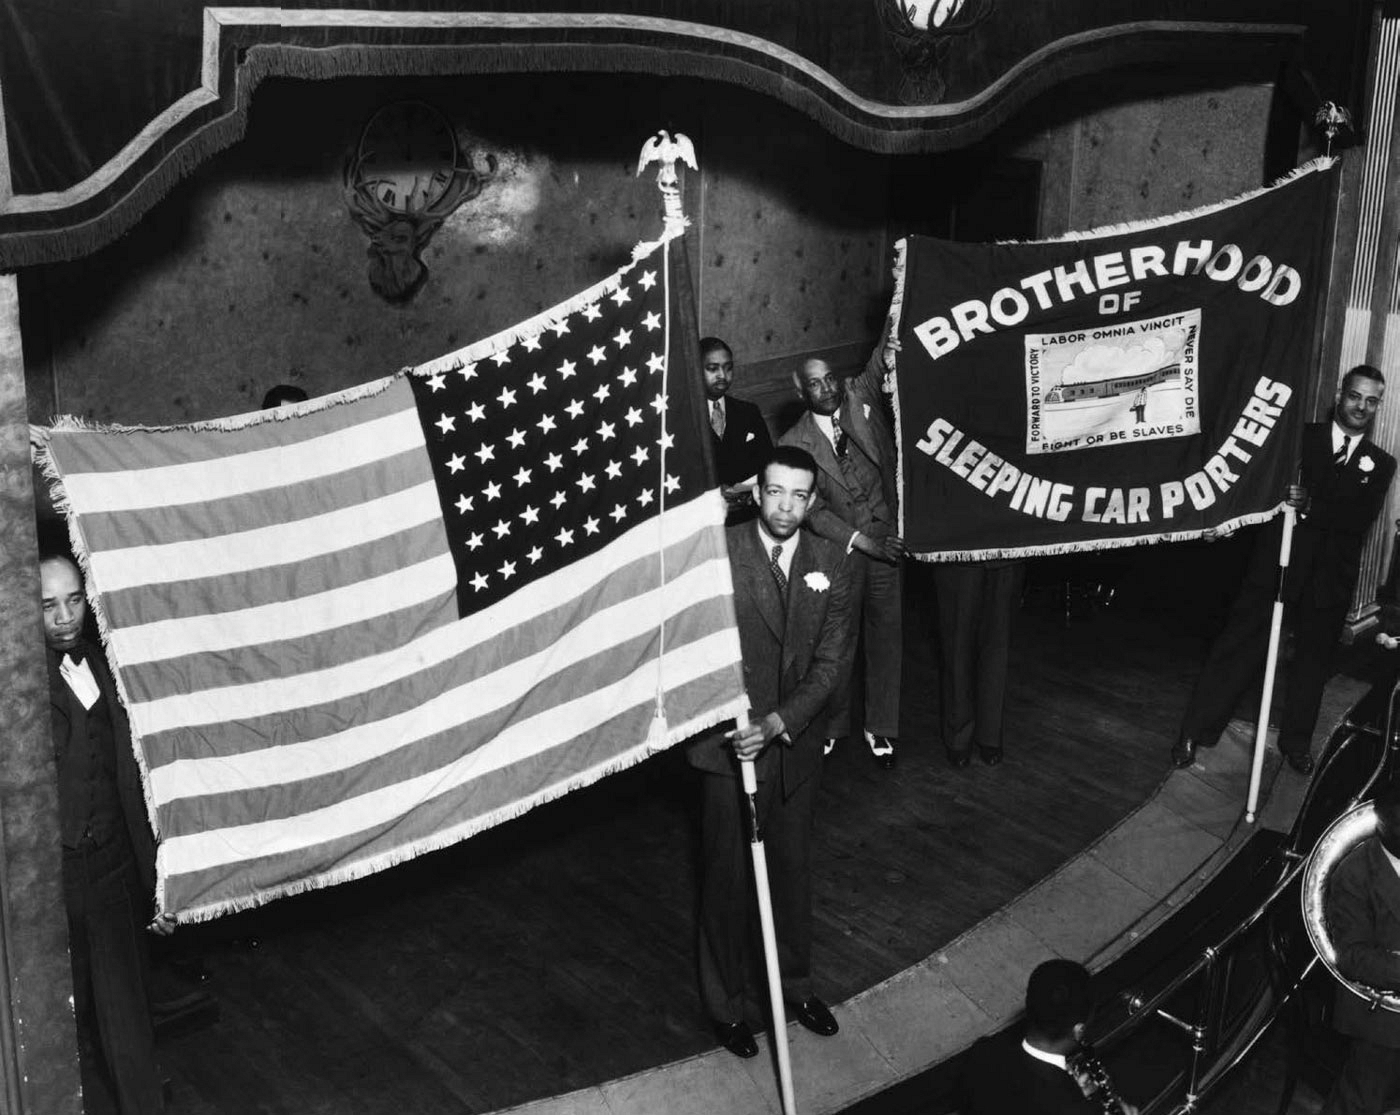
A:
(1315, 634)
(116, 961)
(725, 884)
(1001, 590)
(1235, 659)
(959, 591)
(787, 839)
(882, 627)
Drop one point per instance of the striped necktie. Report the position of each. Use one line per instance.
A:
(1339, 460)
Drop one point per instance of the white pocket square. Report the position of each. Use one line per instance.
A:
(749, 436)
(866, 407)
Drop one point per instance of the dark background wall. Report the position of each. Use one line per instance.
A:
(252, 272)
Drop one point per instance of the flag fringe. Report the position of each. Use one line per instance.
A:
(901, 252)
(1084, 546)
(730, 710)
(1312, 166)
(545, 319)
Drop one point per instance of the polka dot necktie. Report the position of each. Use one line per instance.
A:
(778, 575)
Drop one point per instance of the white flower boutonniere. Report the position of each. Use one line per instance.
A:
(1365, 464)
(817, 581)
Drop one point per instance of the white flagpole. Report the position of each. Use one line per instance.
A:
(770, 938)
(1261, 729)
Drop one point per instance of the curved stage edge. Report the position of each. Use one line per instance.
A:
(1096, 908)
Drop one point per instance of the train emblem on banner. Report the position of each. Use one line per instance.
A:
(1130, 382)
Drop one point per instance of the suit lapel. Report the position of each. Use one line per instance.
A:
(816, 443)
(756, 580)
(857, 425)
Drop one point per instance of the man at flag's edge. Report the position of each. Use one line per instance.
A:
(50, 457)
(897, 330)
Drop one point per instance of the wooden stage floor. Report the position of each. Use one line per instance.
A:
(557, 951)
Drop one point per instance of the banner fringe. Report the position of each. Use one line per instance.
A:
(1312, 166)
(1049, 550)
(730, 710)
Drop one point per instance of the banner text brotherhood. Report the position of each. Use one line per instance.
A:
(1112, 389)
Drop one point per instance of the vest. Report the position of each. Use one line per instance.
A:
(89, 806)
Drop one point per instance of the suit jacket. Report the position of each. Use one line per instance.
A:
(865, 421)
(129, 792)
(1362, 908)
(1001, 1078)
(1342, 505)
(794, 657)
(746, 443)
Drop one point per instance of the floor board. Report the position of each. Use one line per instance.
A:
(556, 951)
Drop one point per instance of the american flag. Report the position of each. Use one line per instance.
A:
(388, 619)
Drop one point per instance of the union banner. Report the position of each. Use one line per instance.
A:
(1134, 384)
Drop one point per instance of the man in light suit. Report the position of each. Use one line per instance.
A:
(792, 600)
(738, 433)
(1363, 917)
(1345, 477)
(849, 435)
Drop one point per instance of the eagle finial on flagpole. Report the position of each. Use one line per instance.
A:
(662, 148)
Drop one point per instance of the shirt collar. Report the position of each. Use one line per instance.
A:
(1056, 1059)
(768, 542)
(823, 422)
(1394, 860)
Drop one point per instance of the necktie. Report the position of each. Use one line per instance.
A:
(717, 418)
(839, 437)
(1340, 459)
(778, 574)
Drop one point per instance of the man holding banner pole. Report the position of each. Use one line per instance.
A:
(1343, 477)
(851, 439)
(793, 601)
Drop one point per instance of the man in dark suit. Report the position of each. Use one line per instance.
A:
(792, 600)
(850, 436)
(738, 432)
(1363, 917)
(1038, 1069)
(108, 856)
(1344, 478)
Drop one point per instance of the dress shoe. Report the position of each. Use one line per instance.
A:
(959, 759)
(816, 1016)
(1301, 761)
(882, 747)
(989, 755)
(1184, 751)
(737, 1038)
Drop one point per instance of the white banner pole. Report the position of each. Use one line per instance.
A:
(770, 938)
(1261, 729)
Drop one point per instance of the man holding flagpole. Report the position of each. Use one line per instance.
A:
(792, 598)
(1344, 477)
